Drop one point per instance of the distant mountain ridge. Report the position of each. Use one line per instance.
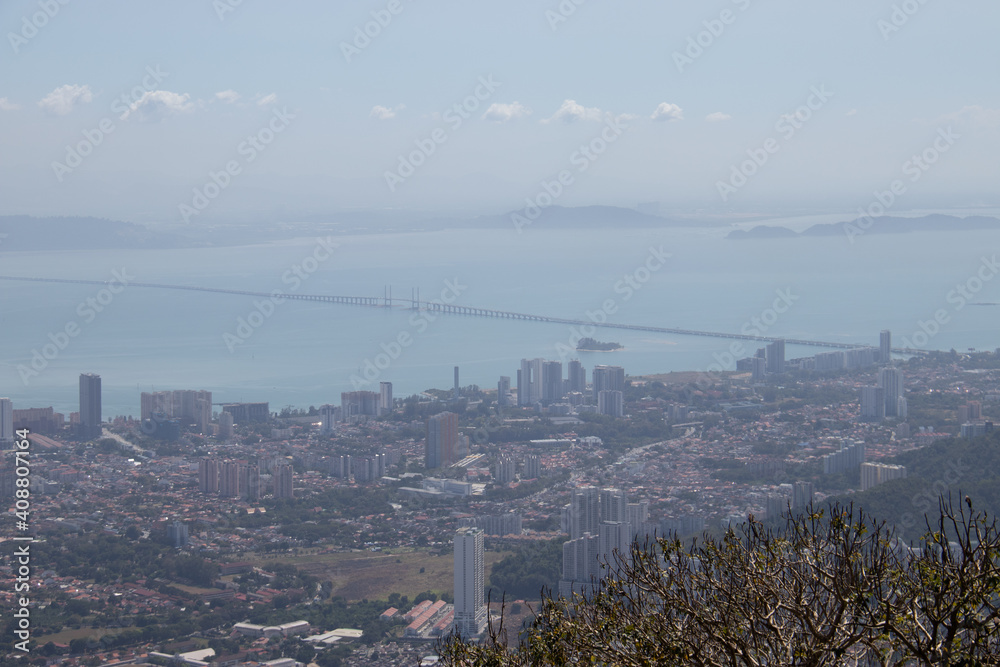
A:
(22, 232)
(884, 225)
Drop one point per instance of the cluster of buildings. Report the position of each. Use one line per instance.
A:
(602, 525)
(241, 479)
(540, 383)
(356, 407)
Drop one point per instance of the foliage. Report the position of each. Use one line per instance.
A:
(821, 590)
(525, 573)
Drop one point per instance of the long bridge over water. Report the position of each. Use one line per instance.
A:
(455, 309)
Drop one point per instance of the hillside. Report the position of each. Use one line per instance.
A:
(960, 467)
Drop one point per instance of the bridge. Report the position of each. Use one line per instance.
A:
(454, 309)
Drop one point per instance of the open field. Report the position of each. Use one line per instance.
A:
(66, 636)
(373, 576)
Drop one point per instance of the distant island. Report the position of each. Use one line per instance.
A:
(878, 225)
(591, 345)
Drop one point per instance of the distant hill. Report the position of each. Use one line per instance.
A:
(21, 232)
(883, 225)
(962, 467)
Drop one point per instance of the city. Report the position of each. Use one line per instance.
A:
(406, 513)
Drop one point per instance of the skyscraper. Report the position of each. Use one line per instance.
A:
(552, 383)
(229, 479)
(283, 481)
(225, 425)
(208, 475)
(608, 378)
(503, 391)
(891, 380)
(250, 482)
(611, 403)
(6, 423)
(775, 356)
(90, 406)
(614, 505)
(442, 440)
(532, 466)
(327, 418)
(470, 582)
(385, 397)
(577, 376)
(585, 512)
(873, 403)
(885, 347)
(529, 381)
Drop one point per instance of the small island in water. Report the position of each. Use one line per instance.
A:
(591, 345)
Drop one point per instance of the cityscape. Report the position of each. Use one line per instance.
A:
(265, 511)
(499, 334)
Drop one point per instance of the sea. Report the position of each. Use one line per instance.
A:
(933, 290)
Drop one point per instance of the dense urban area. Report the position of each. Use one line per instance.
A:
(363, 533)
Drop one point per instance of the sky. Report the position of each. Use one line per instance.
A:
(188, 111)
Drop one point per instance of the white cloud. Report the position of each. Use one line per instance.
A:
(976, 115)
(383, 113)
(62, 100)
(264, 100)
(156, 104)
(718, 117)
(570, 112)
(666, 111)
(852, 112)
(7, 105)
(501, 113)
(228, 96)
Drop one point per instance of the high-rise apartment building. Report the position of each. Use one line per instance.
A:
(885, 347)
(585, 511)
(611, 403)
(250, 482)
(576, 377)
(873, 403)
(385, 397)
(470, 583)
(442, 440)
(503, 391)
(208, 475)
(229, 479)
(529, 382)
(614, 505)
(226, 423)
(532, 466)
(873, 474)
(283, 481)
(90, 406)
(354, 404)
(891, 381)
(6, 423)
(552, 381)
(775, 356)
(608, 378)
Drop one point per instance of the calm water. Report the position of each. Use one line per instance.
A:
(305, 354)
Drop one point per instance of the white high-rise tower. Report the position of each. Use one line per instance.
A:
(470, 583)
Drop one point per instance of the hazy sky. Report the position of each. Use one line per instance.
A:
(672, 119)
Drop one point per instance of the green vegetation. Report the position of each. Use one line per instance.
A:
(528, 572)
(823, 590)
(954, 466)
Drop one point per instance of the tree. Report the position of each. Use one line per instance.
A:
(830, 587)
